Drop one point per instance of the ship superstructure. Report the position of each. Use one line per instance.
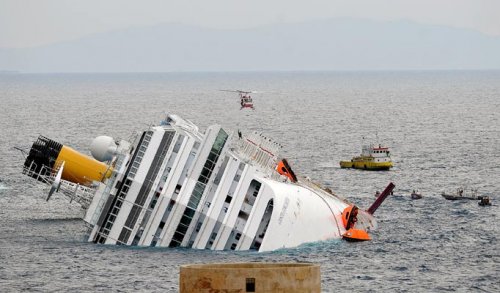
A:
(175, 186)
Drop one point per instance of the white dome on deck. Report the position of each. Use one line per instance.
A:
(103, 148)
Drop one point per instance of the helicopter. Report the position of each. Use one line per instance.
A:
(245, 98)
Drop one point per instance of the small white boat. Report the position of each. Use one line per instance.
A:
(415, 195)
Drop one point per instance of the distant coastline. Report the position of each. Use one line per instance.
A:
(7, 72)
(338, 44)
(237, 72)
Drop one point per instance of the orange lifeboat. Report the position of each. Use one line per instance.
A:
(349, 216)
(354, 235)
(349, 219)
(284, 169)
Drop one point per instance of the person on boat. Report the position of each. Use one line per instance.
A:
(353, 218)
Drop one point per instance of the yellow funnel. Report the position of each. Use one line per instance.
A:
(82, 169)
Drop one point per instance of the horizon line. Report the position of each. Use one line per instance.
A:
(18, 72)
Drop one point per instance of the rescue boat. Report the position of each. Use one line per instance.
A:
(372, 158)
(175, 186)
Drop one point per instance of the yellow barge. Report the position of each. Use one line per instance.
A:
(371, 158)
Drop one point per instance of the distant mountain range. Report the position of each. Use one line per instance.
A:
(334, 44)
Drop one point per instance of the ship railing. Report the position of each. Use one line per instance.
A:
(40, 175)
(257, 150)
(79, 193)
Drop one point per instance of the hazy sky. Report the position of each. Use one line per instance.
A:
(27, 23)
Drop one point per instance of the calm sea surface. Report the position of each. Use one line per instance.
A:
(443, 129)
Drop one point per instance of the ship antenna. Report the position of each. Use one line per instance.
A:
(23, 151)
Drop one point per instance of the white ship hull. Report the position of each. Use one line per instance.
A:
(177, 187)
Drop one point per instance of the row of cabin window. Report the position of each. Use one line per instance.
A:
(177, 190)
(212, 163)
(140, 154)
(225, 207)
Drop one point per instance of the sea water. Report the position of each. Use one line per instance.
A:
(443, 129)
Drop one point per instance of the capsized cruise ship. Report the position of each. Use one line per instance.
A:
(175, 186)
